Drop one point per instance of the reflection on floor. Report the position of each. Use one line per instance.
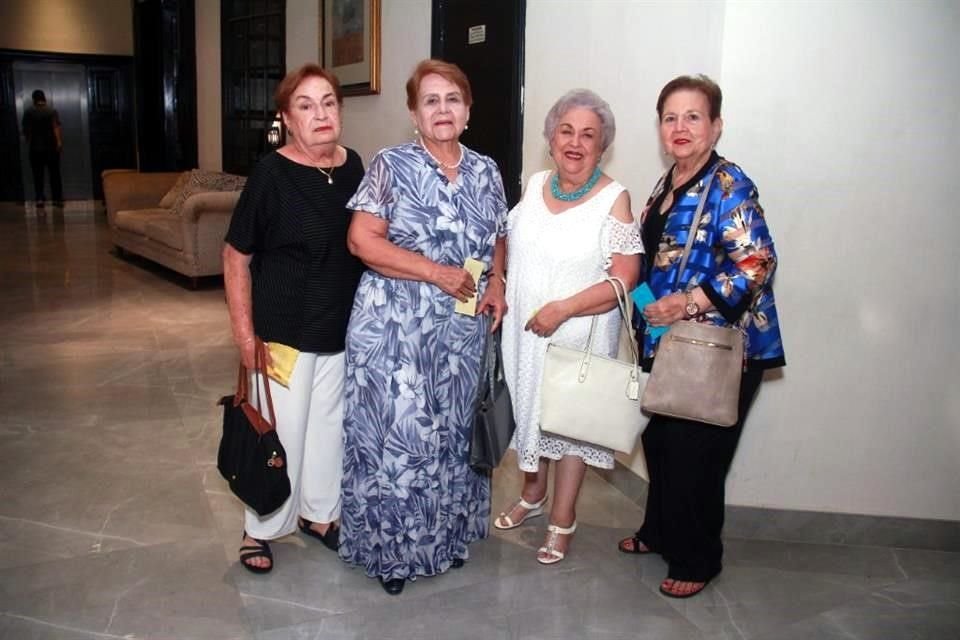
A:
(115, 524)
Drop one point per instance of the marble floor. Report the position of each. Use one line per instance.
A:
(115, 524)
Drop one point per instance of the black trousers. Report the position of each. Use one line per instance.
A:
(688, 463)
(46, 160)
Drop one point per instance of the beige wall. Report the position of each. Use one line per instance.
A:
(369, 122)
(209, 132)
(68, 26)
(840, 113)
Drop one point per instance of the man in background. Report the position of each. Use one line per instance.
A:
(41, 128)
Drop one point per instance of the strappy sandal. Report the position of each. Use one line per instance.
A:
(688, 594)
(550, 546)
(330, 539)
(504, 521)
(637, 543)
(260, 550)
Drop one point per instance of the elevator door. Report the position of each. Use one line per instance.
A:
(65, 87)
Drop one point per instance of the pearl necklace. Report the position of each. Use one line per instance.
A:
(442, 164)
(573, 195)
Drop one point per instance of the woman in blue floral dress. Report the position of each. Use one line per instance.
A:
(411, 502)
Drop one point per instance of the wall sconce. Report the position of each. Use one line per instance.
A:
(275, 132)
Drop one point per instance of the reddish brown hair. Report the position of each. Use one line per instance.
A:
(703, 84)
(293, 79)
(446, 70)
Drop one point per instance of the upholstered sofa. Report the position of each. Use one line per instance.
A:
(173, 218)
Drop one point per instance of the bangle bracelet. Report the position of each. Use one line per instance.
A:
(248, 340)
(500, 276)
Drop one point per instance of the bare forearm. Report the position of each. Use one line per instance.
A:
(237, 285)
(500, 258)
(598, 298)
(386, 258)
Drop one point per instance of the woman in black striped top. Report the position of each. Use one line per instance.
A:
(290, 280)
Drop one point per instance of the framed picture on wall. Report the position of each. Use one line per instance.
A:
(350, 44)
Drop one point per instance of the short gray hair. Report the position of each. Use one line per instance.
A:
(588, 100)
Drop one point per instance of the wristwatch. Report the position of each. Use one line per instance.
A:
(692, 308)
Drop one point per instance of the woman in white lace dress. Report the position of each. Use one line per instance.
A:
(572, 229)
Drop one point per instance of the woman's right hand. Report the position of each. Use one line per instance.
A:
(548, 318)
(455, 281)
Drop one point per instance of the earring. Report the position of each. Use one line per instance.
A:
(416, 132)
(466, 126)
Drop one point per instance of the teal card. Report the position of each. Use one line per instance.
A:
(642, 296)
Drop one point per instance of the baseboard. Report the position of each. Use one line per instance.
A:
(758, 523)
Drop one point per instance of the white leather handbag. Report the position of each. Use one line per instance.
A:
(592, 398)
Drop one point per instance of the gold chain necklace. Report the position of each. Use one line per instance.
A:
(328, 173)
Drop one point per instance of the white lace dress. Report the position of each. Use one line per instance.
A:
(553, 256)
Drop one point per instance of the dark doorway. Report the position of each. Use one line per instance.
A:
(485, 39)
(164, 44)
(65, 87)
(92, 94)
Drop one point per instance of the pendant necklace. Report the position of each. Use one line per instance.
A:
(573, 195)
(443, 164)
(328, 173)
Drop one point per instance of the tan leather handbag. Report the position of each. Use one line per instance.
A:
(696, 374)
(697, 369)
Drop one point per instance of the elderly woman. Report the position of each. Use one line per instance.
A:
(726, 282)
(572, 229)
(290, 280)
(412, 503)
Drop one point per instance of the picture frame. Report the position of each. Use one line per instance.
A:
(350, 44)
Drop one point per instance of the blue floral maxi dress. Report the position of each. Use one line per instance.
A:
(411, 502)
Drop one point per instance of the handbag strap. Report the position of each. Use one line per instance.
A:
(695, 223)
(620, 290)
(243, 381)
(626, 312)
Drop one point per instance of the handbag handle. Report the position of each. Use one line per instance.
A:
(493, 364)
(633, 384)
(625, 305)
(692, 233)
(243, 384)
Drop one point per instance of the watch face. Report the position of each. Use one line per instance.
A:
(693, 309)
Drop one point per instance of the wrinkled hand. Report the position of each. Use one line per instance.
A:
(494, 302)
(248, 355)
(547, 319)
(666, 310)
(455, 281)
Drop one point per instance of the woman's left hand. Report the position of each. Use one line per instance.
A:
(666, 310)
(494, 302)
(546, 320)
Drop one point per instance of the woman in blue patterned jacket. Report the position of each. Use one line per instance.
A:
(727, 281)
(411, 502)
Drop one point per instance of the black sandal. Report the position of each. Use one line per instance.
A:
(688, 594)
(261, 550)
(636, 546)
(330, 539)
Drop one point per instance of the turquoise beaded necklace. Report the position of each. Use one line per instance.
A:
(573, 195)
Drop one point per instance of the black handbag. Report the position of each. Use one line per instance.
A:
(251, 458)
(493, 423)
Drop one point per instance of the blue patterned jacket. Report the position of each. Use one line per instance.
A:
(732, 259)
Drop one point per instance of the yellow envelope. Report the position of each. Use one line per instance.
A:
(475, 268)
(283, 358)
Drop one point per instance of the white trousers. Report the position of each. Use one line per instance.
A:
(310, 426)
